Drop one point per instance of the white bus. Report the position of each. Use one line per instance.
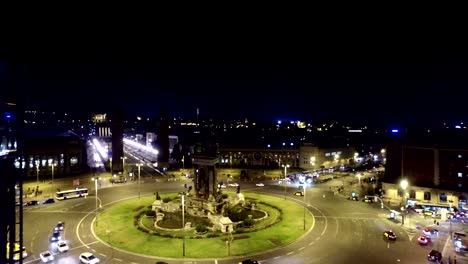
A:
(74, 193)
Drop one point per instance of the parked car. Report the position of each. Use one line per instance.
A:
(260, 184)
(299, 193)
(353, 198)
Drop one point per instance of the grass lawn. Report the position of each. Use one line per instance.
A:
(116, 228)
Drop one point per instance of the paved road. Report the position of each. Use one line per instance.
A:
(344, 232)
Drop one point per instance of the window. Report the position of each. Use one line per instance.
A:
(412, 194)
(443, 198)
(427, 196)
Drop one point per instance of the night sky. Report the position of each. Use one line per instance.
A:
(406, 88)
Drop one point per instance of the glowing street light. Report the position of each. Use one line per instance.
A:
(139, 188)
(404, 184)
(285, 166)
(37, 172)
(96, 179)
(183, 222)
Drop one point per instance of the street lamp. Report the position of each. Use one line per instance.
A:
(139, 190)
(404, 185)
(123, 164)
(52, 165)
(110, 163)
(37, 172)
(305, 192)
(285, 166)
(183, 222)
(96, 179)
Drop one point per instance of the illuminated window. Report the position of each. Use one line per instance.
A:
(460, 174)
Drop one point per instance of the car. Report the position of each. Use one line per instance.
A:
(434, 255)
(260, 184)
(368, 200)
(46, 256)
(62, 246)
(59, 226)
(299, 193)
(234, 184)
(222, 186)
(429, 231)
(88, 258)
(390, 235)
(428, 213)
(353, 198)
(249, 261)
(118, 180)
(56, 236)
(424, 240)
(49, 201)
(31, 203)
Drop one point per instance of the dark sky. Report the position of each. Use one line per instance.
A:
(365, 87)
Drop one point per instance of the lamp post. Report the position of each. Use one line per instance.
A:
(183, 223)
(123, 164)
(285, 166)
(139, 188)
(37, 173)
(96, 188)
(404, 185)
(53, 175)
(110, 163)
(305, 192)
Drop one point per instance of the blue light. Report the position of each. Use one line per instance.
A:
(7, 115)
(395, 131)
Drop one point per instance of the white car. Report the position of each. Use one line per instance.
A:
(234, 184)
(46, 256)
(260, 184)
(62, 246)
(88, 258)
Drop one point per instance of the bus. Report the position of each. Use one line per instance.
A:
(16, 251)
(74, 193)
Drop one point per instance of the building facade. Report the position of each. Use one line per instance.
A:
(436, 173)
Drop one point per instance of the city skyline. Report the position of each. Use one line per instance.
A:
(365, 91)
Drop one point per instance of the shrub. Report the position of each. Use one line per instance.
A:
(166, 199)
(150, 213)
(201, 228)
(248, 222)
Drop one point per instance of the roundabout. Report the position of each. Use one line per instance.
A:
(124, 226)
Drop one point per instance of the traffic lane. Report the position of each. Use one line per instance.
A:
(41, 220)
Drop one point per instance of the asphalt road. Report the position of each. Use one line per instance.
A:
(344, 232)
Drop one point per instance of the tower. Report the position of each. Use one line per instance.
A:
(163, 140)
(117, 142)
